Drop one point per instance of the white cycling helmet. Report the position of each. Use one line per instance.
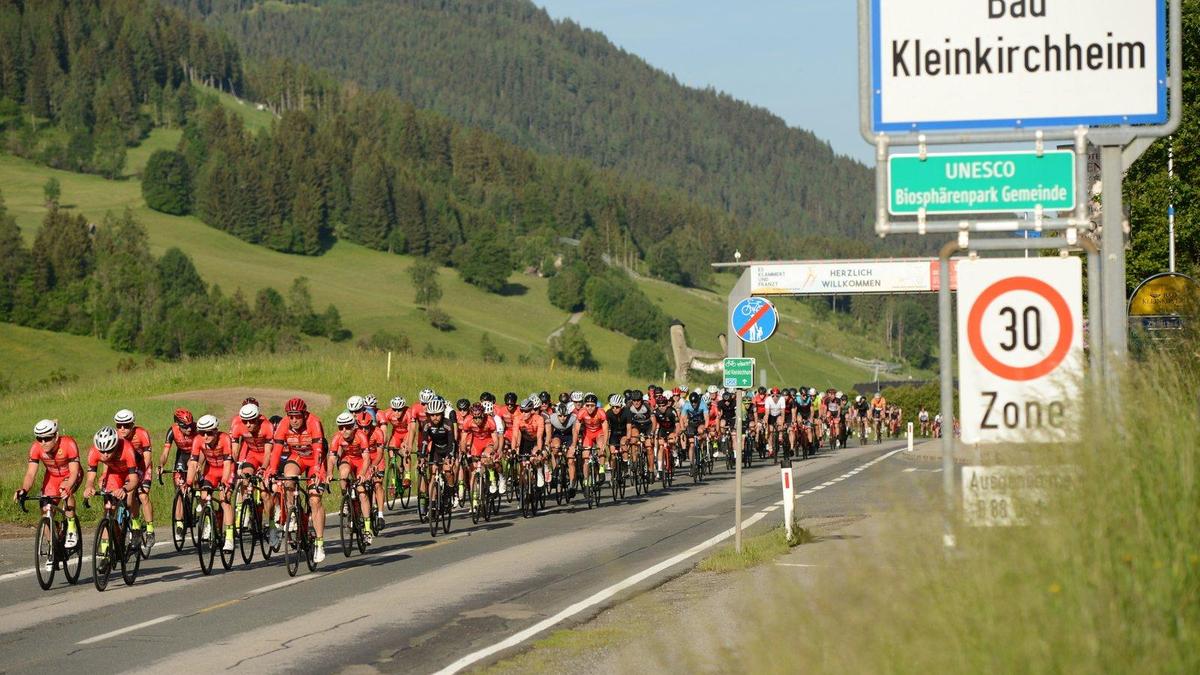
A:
(123, 416)
(425, 396)
(488, 407)
(858, 399)
(345, 418)
(398, 403)
(436, 406)
(105, 439)
(371, 401)
(249, 412)
(839, 395)
(45, 428)
(812, 391)
(207, 423)
(616, 400)
(712, 389)
(577, 397)
(355, 404)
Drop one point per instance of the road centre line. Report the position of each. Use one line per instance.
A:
(127, 629)
(600, 596)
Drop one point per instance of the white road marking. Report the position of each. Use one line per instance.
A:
(770, 508)
(283, 584)
(127, 629)
(781, 564)
(596, 598)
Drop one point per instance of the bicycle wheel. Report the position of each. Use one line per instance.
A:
(476, 498)
(178, 533)
(433, 509)
(405, 491)
(195, 512)
(292, 542)
(44, 547)
(310, 544)
(615, 481)
(102, 561)
(345, 524)
(446, 512)
(132, 555)
(206, 548)
(487, 502)
(360, 532)
(391, 484)
(72, 561)
(263, 532)
(246, 530)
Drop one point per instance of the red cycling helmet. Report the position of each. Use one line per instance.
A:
(364, 419)
(295, 405)
(775, 390)
(183, 417)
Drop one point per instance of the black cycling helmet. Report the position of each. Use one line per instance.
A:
(544, 397)
(510, 398)
(462, 404)
(564, 397)
(727, 396)
(561, 409)
(487, 396)
(591, 398)
(694, 399)
(626, 393)
(634, 395)
(762, 390)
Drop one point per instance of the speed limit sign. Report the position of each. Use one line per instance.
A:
(1020, 348)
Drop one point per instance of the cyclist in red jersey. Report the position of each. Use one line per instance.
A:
(251, 439)
(351, 449)
(237, 425)
(213, 447)
(508, 415)
(478, 442)
(181, 434)
(303, 437)
(140, 438)
(591, 426)
(529, 431)
(375, 442)
(400, 417)
(60, 456)
(121, 476)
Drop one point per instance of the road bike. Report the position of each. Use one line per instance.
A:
(211, 537)
(50, 551)
(115, 543)
(397, 483)
(350, 516)
(438, 509)
(187, 504)
(299, 535)
(480, 502)
(248, 517)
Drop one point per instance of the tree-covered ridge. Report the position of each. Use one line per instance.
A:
(506, 66)
(81, 79)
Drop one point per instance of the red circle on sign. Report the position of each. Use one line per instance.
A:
(1018, 373)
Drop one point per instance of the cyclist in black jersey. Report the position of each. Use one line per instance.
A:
(666, 423)
(437, 446)
(560, 430)
(639, 420)
(617, 421)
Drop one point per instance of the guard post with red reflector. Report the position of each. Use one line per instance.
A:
(789, 495)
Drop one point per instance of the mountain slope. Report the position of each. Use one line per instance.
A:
(506, 66)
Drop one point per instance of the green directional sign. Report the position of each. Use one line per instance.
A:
(991, 182)
(739, 373)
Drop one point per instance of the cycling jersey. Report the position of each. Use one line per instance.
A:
(400, 420)
(616, 425)
(215, 455)
(506, 425)
(438, 440)
(183, 444)
(640, 418)
(728, 410)
(923, 416)
(667, 420)
(356, 451)
(694, 416)
(303, 446)
(140, 439)
(773, 405)
(862, 408)
(480, 435)
(593, 425)
(833, 406)
(57, 463)
(119, 464)
(252, 446)
(562, 429)
(759, 401)
(877, 406)
(533, 427)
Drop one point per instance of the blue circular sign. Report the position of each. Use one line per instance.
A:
(754, 320)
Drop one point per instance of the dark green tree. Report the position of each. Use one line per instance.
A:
(488, 351)
(664, 263)
(647, 359)
(565, 289)
(486, 262)
(571, 349)
(167, 183)
(426, 290)
(51, 191)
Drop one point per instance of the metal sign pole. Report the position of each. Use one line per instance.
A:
(945, 367)
(1116, 330)
(737, 477)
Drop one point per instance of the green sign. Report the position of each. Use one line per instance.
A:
(739, 373)
(992, 182)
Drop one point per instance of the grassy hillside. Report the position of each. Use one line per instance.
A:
(372, 290)
(32, 355)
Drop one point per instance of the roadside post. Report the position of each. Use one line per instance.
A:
(910, 436)
(388, 377)
(789, 499)
(753, 320)
(738, 373)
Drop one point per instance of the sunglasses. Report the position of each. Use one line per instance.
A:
(476, 417)
(345, 427)
(46, 439)
(108, 452)
(208, 433)
(125, 426)
(295, 415)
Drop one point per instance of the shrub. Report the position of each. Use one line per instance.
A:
(571, 349)
(439, 319)
(383, 341)
(647, 359)
(167, 183)
(565, 289)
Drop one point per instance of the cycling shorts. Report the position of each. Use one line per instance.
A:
(591, 438)
(212, 475)
(527, 445)
(357, 464)
(479, 445)
(309, 467)
(257, 460)
(772, 420)
(692, 428)
(114, 481)
(664, 432)
(398, 439)
(51, 484)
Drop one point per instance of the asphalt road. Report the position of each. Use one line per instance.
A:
(412, 603)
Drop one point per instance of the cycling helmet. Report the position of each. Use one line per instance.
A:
(762, 390)
(564, 397)
(616, 400)
(105, 440)
(436, 407)
(591, 398)
(669, 395)
(345, 419)
(489, 408)
(355, 404)
(544, 397)
(840, 395)
(487, 396)
(249, 412)
(371, 401)
(462, 404)
(635, 395)
(529, 404)
(661, 400)
(295, 405)
(626, 393)
(727, 396)
(712, 389)
(207, 423)
(364, 418)
(694, 398)
(398, 403)
(477, 410)
(812, 391)
(183, 417)
(425, 396)
(123, 416)
(878, 395)
(858, 399)
(562, 410)
(510, 398)
(45, 428)
(774, 391)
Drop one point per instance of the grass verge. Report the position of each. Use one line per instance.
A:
(757, 549)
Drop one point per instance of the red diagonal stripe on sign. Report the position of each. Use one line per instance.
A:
(754, 319)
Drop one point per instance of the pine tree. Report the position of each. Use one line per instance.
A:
(166, 183)
(372, 215)
(426, 290)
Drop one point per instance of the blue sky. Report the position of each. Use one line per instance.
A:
(796, 58)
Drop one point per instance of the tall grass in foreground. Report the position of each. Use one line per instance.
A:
(1108, 581)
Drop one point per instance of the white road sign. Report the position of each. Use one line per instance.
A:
(840, 277)
(1011, 495)
(972, 64)
(1020, 348)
